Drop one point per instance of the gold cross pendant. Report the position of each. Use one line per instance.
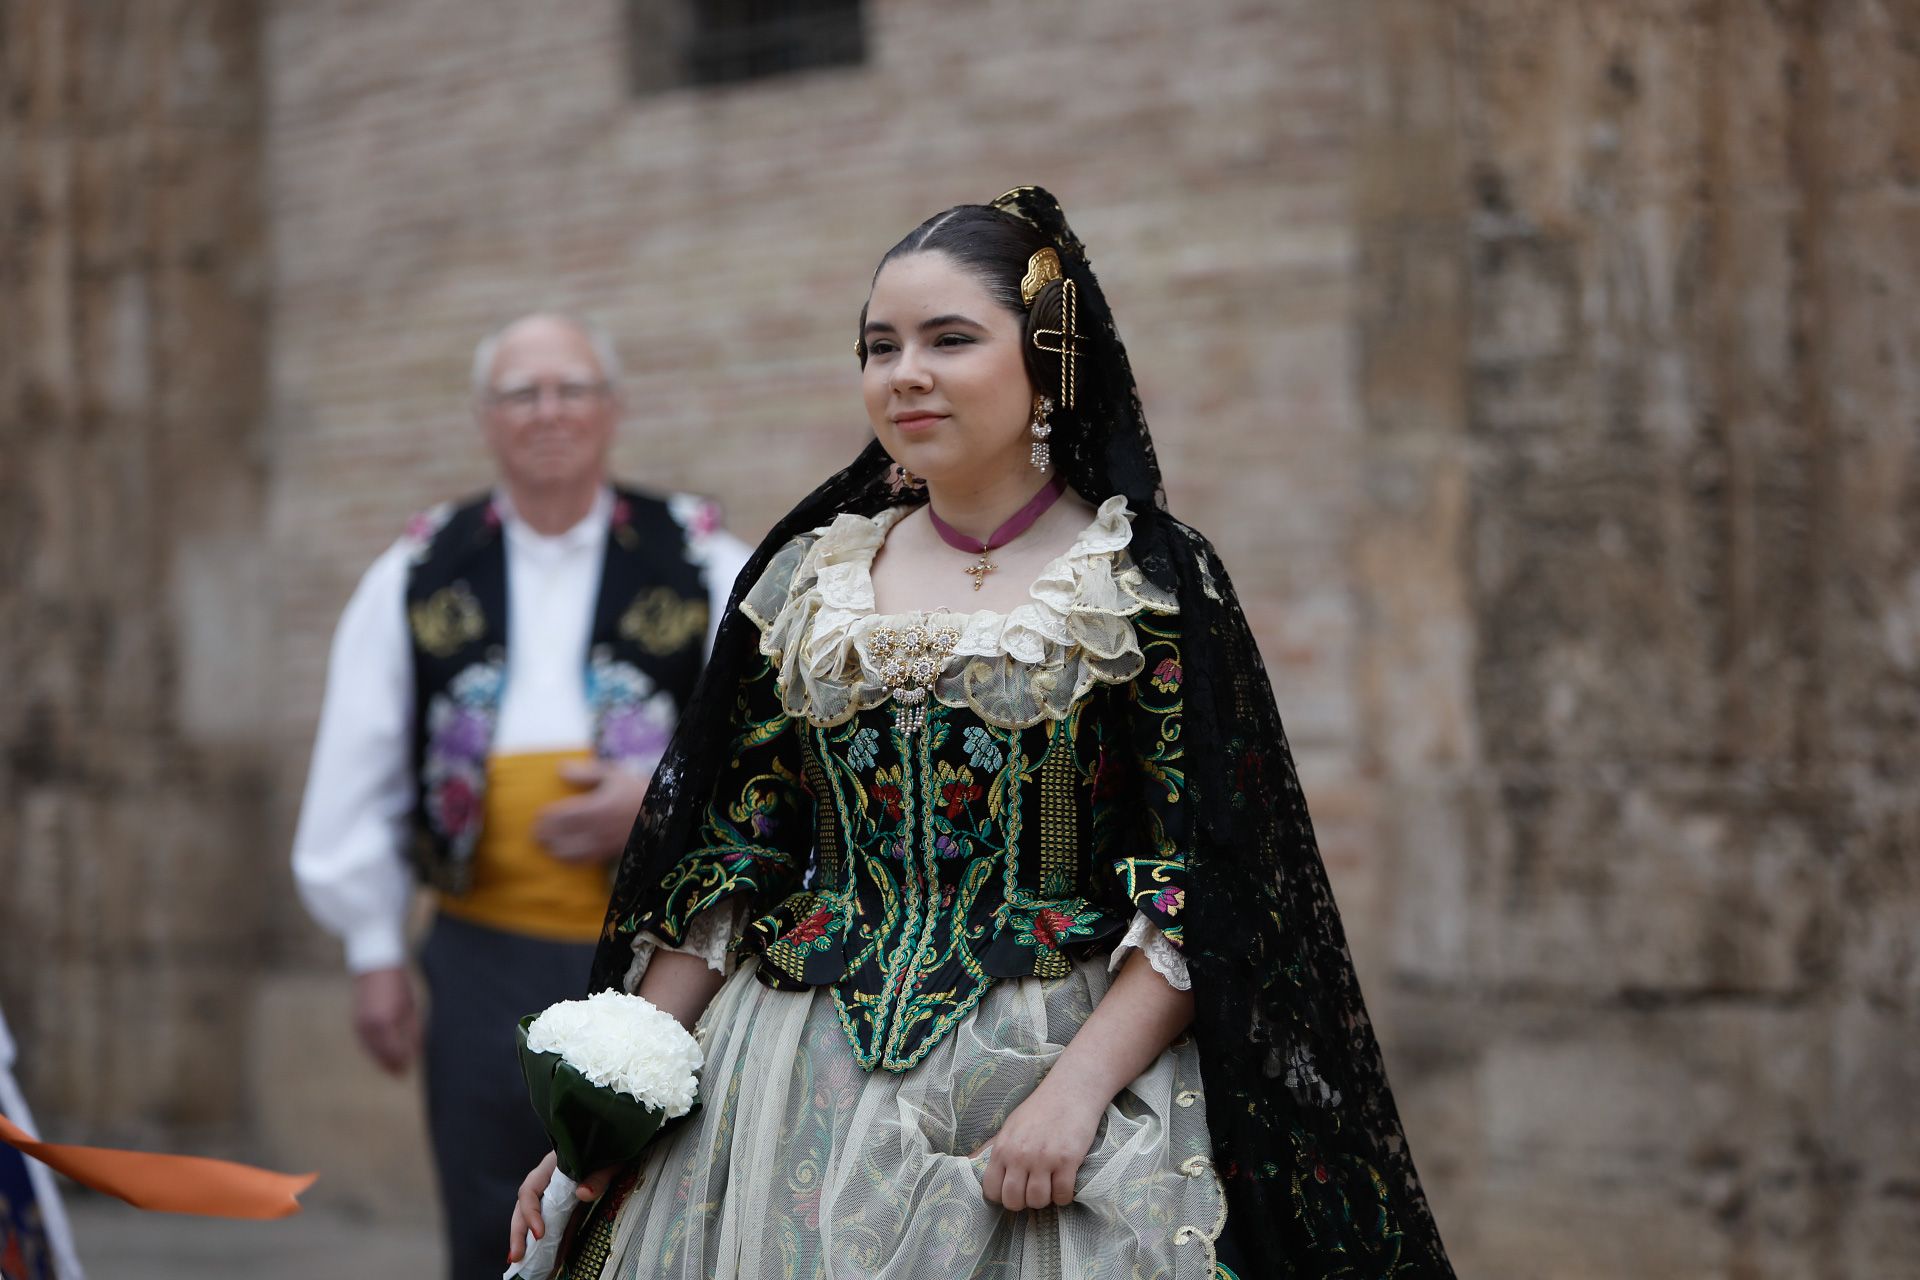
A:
(981, 570)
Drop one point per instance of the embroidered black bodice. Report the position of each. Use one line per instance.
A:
(910, 864)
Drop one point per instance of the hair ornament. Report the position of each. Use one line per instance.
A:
(1043, 268)
(1064, 341)
(1010, 202)
(1036, 207)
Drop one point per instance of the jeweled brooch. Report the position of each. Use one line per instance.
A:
(908, 660)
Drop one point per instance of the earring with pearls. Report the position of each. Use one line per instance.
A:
(1042, 455)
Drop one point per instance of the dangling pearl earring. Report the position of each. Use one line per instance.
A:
(1042, 455)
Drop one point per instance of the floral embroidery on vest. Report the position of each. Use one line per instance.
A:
(632, 718)
(460, 724)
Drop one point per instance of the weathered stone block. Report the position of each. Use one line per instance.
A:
(1594, 642)
(135, 1054)
(206, 214)
(1609, 886)
(1527, 301)
(208, 334)
(1441, 880)
(112, 197)
(1869, 123)
(210, 74)
(1875, 1141)
(1686, 1131)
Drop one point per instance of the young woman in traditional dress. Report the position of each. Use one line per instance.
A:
(981, 862)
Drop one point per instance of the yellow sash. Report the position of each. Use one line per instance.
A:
(518, 886)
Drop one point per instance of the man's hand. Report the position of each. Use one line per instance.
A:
(386, 1018)
(592, 827)
(526, 1205)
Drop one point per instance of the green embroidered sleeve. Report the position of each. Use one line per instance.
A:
(757, 833)
(1150, 858)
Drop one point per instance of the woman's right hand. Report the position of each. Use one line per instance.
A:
(526, 1206)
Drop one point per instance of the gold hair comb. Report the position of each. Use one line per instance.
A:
(1043, 268)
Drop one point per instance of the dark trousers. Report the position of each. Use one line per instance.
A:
(480, 983)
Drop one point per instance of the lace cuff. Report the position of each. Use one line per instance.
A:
(1165, 958)
(709, 934)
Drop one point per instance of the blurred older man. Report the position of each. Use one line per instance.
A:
(502, 683)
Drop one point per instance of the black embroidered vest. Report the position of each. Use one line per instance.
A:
(644, 655)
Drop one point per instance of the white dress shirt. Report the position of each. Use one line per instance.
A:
(349, 850)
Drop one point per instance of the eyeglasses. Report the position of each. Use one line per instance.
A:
(524, 402)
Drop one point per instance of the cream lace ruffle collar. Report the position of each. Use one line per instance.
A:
(815, 609)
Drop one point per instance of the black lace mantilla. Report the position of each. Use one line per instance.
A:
(1306, 1137)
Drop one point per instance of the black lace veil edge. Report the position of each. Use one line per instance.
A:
(1307, 1140)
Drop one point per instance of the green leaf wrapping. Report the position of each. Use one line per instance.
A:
(590, 1125)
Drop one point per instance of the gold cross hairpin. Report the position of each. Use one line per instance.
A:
(1068, 347)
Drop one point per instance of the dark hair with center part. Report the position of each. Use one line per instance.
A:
(993, 246)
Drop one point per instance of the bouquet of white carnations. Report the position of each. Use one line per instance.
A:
(604, 1073)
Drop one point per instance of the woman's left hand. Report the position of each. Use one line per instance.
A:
(1035, 1156)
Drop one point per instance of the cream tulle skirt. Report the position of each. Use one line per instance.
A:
(800, 1164)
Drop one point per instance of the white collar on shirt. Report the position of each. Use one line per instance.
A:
(588, 532)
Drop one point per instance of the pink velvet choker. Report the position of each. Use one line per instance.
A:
(1016, 524)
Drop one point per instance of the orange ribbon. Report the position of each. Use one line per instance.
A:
(169, 1184)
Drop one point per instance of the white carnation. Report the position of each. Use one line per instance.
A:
(624, 1043)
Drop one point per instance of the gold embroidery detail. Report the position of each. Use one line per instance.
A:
(1188, 1232)
(826, 825)
(593, 1249)
(1059, 817)
(663, 621)
(447, 621)
(1185, 1098)
(1045, 1229)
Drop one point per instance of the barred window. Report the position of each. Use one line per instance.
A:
(709, 42)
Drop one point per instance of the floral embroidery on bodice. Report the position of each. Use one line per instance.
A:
(907, 852)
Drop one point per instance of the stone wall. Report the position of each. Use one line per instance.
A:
(1643, 383)
(133, 804)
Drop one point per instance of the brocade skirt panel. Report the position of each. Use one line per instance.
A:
(801, 1165)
